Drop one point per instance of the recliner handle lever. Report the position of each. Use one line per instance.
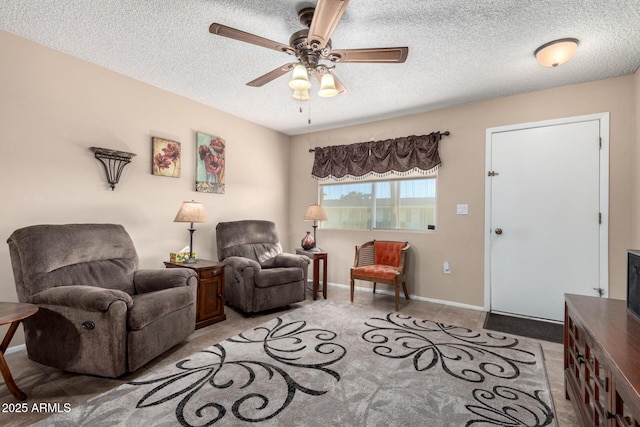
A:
(88, 325)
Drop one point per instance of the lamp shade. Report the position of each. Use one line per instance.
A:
(191, 212)
(556, 52)
(300, 95)
(315, 213)
(327, 86)
(300, 78)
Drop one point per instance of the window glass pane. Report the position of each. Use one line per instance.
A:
(385, 212)
(416, 204)
(407, 204)
(348, 206)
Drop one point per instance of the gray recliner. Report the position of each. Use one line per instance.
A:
(98, 313)
(259, 276)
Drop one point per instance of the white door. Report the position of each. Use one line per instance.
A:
(544, 220)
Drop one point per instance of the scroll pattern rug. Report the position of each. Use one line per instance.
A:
(327, 364)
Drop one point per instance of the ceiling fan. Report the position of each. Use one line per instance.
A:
(312, 45)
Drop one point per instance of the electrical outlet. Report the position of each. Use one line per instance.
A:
(446, 267)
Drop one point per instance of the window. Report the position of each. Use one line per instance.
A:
(403, 204)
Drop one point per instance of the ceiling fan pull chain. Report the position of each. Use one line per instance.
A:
(309, 112)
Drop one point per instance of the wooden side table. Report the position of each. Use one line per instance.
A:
(210, 296)
(13, 313)
(317, 256)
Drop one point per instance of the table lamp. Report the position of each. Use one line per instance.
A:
(315, 213)
(191, 212)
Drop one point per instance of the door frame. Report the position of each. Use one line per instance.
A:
(604, 193)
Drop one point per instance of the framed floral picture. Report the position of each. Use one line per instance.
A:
(210, 163)
(165, 157)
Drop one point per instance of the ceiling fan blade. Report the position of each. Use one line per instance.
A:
(325, 18)
(272, 75)
(232, 33)
(381, 54)
(336, 81)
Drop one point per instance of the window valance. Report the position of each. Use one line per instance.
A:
(398, 156)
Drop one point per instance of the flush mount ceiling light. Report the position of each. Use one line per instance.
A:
(556, 52)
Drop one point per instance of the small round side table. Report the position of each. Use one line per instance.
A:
(12, 313)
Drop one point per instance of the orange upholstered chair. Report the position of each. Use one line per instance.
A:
(381, 261)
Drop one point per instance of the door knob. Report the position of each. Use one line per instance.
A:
(498, 230)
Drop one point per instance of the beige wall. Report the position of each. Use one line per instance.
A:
(54, 107)
(460, 239)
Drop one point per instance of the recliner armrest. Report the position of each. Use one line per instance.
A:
(87, 298)
(151, 280)
(241, 263)
(291, 260)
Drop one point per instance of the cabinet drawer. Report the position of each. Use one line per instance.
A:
(209, 273)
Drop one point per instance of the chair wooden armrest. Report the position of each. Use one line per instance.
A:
(403, 258)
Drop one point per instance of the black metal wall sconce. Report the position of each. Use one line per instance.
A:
(113, 162)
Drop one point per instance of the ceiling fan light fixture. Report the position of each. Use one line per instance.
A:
(556, 52)
(310, 47)
(327, 86)
(301, 95)
(300, 78)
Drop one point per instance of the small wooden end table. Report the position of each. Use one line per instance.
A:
(12, 313)
(317, 256)
(210, 293)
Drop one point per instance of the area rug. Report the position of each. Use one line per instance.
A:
(327, 364)
(547, 331)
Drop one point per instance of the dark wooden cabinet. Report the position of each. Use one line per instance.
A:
(601, 361)
(210, 297)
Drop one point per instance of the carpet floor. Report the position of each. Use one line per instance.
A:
(530, 328)
(333, 364)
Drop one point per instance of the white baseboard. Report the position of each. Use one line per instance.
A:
(16, 348)
(416, 297)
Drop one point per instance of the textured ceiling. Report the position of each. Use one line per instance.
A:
(460, 51)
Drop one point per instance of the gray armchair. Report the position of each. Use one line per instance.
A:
(98, 313)
(259, 276)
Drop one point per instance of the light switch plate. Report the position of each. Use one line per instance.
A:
(446, 267)
(462, 209)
